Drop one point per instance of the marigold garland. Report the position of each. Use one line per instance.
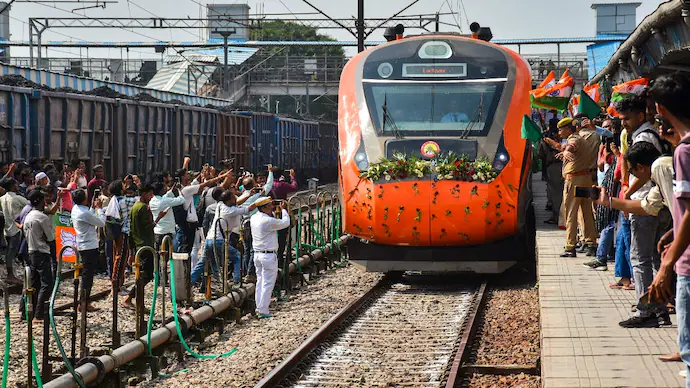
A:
(445, 167)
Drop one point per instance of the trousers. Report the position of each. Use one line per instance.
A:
(266, 275)
(605, 249)
(572, 205)
(90, 259)
(623, 267)
(683, 315)
(248, 252)
(554, 184)
(41, 281)
(645, 232)
(147, 267)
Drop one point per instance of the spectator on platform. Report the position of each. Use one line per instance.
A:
(548, 148)
(672, 99)
(85, 220)
(645, 230)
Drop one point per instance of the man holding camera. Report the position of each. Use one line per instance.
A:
(265, 246)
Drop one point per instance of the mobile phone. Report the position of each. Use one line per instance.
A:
(587, 192)
(97, 193)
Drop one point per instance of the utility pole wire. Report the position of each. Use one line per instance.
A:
(390, 18)
(330, 18)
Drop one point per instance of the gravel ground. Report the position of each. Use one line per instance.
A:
(263, 344)
(509, 335)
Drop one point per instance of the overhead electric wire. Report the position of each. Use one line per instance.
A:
(457, 23)
(467, 19)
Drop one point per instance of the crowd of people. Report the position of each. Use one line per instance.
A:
(620, 187)
(203, 213)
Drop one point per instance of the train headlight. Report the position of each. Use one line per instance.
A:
(435, 50)
(502, 157)
(361, 159)
(385, 70)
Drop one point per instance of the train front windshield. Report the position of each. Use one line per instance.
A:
(433, 108)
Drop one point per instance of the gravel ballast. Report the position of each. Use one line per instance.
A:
(509, 335)
(263, 344)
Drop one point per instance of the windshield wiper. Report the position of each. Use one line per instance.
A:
(476, 118)
(387, 118)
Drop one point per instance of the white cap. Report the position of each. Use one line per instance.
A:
(263, 201)
(42, 175)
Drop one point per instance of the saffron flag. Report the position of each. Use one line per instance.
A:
(573, 105)
(556, 96)
(587, 106)
(549, 81)
(593, 92)
(530, 130)
(626, 89)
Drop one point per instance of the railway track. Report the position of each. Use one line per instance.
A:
(399, 333)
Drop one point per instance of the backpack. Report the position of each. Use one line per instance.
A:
(201, 207)
(666, 147)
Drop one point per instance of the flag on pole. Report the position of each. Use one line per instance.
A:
(573, 105)
(626, 89)
(556, 96)
(530, 130)
(593, 92)
(548, 82)
(587, 106)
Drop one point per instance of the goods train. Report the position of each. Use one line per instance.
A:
(128, 136)
(413, 101)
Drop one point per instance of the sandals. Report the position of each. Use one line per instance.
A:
(621, 286)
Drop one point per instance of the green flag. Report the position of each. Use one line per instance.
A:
(549, 102)
(587, 106)
(530, 130)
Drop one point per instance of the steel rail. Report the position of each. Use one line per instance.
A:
(280, 372)
(465, 346)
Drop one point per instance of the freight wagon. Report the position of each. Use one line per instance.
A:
(144, 137)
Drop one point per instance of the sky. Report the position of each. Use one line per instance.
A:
(508, 19)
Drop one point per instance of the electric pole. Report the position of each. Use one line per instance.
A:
(360, 25)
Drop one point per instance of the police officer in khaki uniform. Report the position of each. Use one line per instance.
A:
(579, 157)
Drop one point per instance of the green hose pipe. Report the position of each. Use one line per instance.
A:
(149, 351)
(8, 338)
(177, 322)
(51, 312)
(34, 362)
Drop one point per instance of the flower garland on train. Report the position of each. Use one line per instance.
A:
(444, 167)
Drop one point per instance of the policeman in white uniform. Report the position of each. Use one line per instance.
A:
(264, 228)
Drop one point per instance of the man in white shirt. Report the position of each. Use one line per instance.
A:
(162, 202)
(12, 204)
(85, 221)
(227, 218)
(250, 194)
(187, 230)
(265, 244)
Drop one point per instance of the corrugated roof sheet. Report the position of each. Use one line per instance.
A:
(180, 78)
(191, 57)
(236, 55)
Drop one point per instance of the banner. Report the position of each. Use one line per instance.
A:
(65, 235)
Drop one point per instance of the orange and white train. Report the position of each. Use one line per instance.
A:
(423, 96)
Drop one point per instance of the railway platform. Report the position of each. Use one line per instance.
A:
(582, 344)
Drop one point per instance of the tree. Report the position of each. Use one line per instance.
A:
(279, 30)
